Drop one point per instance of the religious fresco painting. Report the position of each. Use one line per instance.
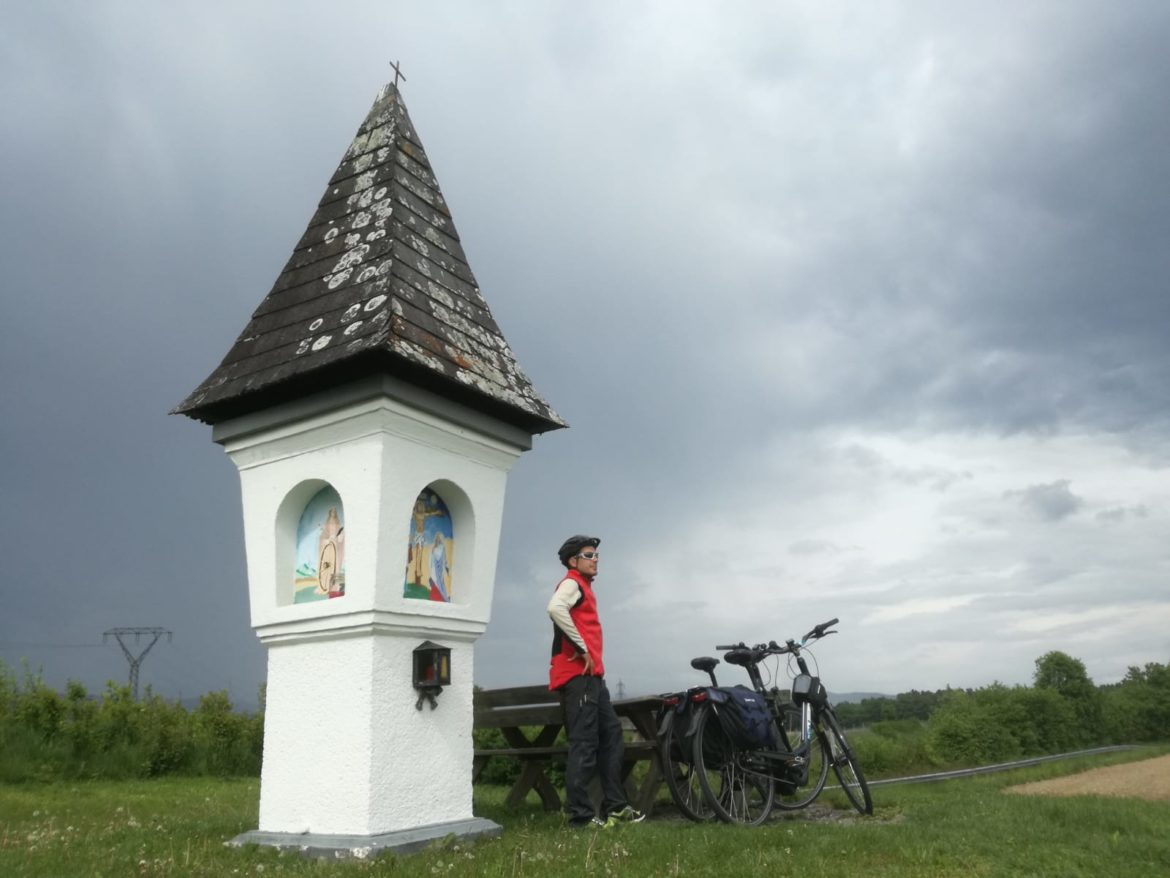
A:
(430, 552)
(320, 571)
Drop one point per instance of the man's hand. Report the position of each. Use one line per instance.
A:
(588, 663)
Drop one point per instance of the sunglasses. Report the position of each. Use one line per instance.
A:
(589, 556)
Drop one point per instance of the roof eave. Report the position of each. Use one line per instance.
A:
(354, 369)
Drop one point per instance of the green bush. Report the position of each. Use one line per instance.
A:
(971, 728)
(169, 741)
(894, 729)
(1066, 676)
(1046, 722)
(504, 769)
(230, 742)
(998, 723)
(905, 705)
(499, 769)
(46, 735)
(1138, 708)
(892, 748)
(40, 709)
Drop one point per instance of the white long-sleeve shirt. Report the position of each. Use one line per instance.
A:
(566, 596)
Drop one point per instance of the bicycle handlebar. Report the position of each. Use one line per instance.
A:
(820, 630)
(774, 648)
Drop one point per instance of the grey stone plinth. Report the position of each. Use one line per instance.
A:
(404, 841)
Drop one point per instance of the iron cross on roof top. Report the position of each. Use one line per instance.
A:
(397, 73)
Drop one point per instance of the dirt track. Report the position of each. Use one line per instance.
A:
(1148, 779)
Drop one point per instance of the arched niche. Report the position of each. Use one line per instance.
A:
(440, 544)
(310, 540)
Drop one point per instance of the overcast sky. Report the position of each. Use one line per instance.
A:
(855, 311)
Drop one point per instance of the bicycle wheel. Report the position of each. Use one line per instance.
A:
(793, 797)
(737, 788)
(845, 764)
(681, 778)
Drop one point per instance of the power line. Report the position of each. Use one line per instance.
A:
(26, 644)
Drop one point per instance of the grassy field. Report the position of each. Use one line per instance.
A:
(964, 827)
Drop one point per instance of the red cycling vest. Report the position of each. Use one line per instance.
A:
(567, 661)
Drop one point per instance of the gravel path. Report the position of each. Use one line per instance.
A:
(1148, 779)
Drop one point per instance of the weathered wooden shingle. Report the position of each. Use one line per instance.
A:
(378, 282)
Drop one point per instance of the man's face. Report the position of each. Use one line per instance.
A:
(587, 566)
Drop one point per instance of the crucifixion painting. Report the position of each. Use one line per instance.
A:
(430, 550)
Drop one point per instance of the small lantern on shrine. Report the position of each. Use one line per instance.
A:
(432, 671)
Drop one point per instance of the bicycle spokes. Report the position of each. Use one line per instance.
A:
(743, 792)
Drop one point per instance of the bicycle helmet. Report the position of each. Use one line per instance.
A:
(575, 544)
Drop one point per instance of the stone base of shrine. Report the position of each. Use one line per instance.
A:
(361, 847)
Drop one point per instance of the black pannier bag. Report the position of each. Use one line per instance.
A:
(745, 718)
(684, 730)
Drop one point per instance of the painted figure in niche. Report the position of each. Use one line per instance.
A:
(320, 560)
(440, 570)
(331, 551)
(429, 553)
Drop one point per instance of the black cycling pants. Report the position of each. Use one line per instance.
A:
(595, 747)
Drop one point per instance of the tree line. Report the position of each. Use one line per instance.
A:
(1062, 710)
(51, 735)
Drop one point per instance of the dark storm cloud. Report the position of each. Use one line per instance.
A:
(1051, 502)
(950, 288)
(1005, 274)
(711, 240)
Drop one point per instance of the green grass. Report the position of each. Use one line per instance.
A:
(964, 827)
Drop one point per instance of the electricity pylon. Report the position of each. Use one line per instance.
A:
(135, 661)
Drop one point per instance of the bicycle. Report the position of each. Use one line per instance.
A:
(742, 784)
(675, 737)
(676, 726)
(676, 734)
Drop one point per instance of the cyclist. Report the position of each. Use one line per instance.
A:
(577, 672)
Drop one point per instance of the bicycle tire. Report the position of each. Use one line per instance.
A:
(732, 790)
(679, 768)
(845, 764)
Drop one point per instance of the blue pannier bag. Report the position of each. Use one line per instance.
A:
(745, 718)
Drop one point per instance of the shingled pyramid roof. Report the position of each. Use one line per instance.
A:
(378, 283)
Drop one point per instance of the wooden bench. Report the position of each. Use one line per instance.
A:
(519, 708)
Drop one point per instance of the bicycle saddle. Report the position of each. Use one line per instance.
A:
(742, 656)
(704, 663)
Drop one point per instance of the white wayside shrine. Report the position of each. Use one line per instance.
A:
(374, 410)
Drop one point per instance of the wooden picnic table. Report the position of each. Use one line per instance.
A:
(518, 710)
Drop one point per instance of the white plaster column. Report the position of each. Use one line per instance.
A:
(346, 752)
